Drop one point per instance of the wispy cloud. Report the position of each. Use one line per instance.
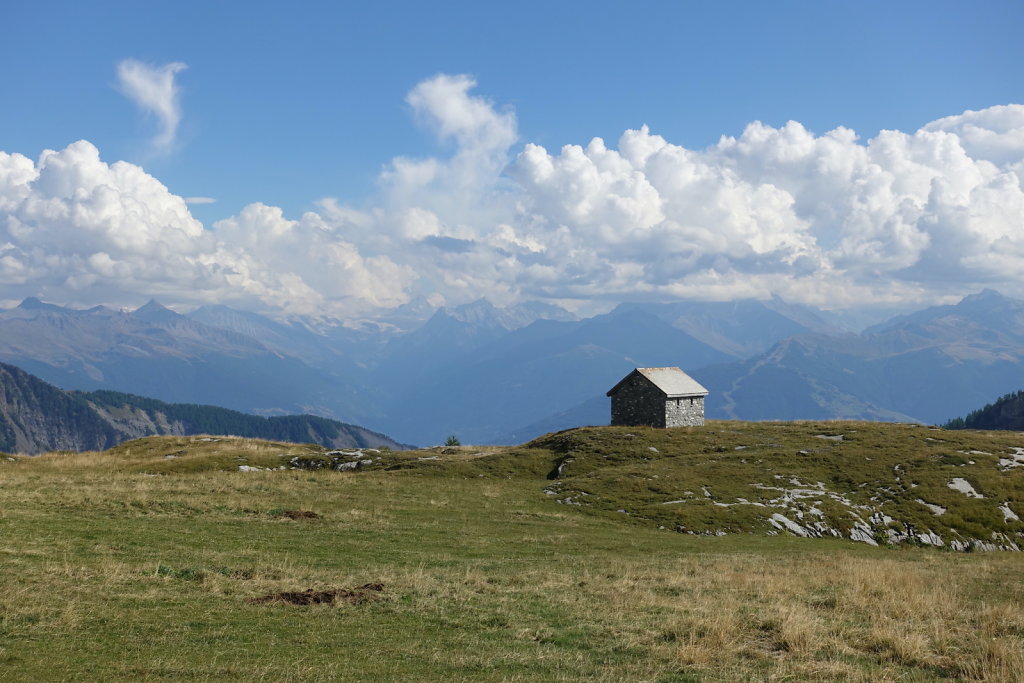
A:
(199, 200)
(153, 89)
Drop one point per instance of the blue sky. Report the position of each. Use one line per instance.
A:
(286, 105)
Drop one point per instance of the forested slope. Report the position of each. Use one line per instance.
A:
(36, 416)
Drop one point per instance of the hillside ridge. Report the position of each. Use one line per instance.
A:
(36, 417)
(1006, 412)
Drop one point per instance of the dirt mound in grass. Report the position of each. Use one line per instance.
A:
(297, 514)
(353, 596)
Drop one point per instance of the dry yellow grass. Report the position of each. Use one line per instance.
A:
(816, 616)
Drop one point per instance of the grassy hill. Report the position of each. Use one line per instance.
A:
(200, 558)
(872, 482)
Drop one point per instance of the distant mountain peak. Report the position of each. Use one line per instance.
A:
(34, 304)
(155, 312)
(481, 309)
(512, 317)
(151, 305)
(987, 298)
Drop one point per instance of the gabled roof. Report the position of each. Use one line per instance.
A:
(673, 382)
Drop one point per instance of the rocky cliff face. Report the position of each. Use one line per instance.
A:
(36, 417)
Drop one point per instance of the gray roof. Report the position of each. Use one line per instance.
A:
(672, 381)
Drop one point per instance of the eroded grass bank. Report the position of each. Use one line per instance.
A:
(111, 571)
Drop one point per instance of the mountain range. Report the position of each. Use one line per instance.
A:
(154, 351)
(503, 375)
(924, 367)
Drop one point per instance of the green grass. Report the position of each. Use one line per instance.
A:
(130, 565)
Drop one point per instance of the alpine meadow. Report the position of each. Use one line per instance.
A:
(227, 558)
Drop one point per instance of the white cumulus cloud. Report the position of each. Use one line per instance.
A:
(828, 219)
(464, 184)
(995, 134)
(76, 229)
(153, 89)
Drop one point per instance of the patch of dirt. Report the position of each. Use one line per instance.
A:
(297, 514)
(352, 596)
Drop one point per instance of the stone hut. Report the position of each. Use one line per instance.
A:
(658, 397)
